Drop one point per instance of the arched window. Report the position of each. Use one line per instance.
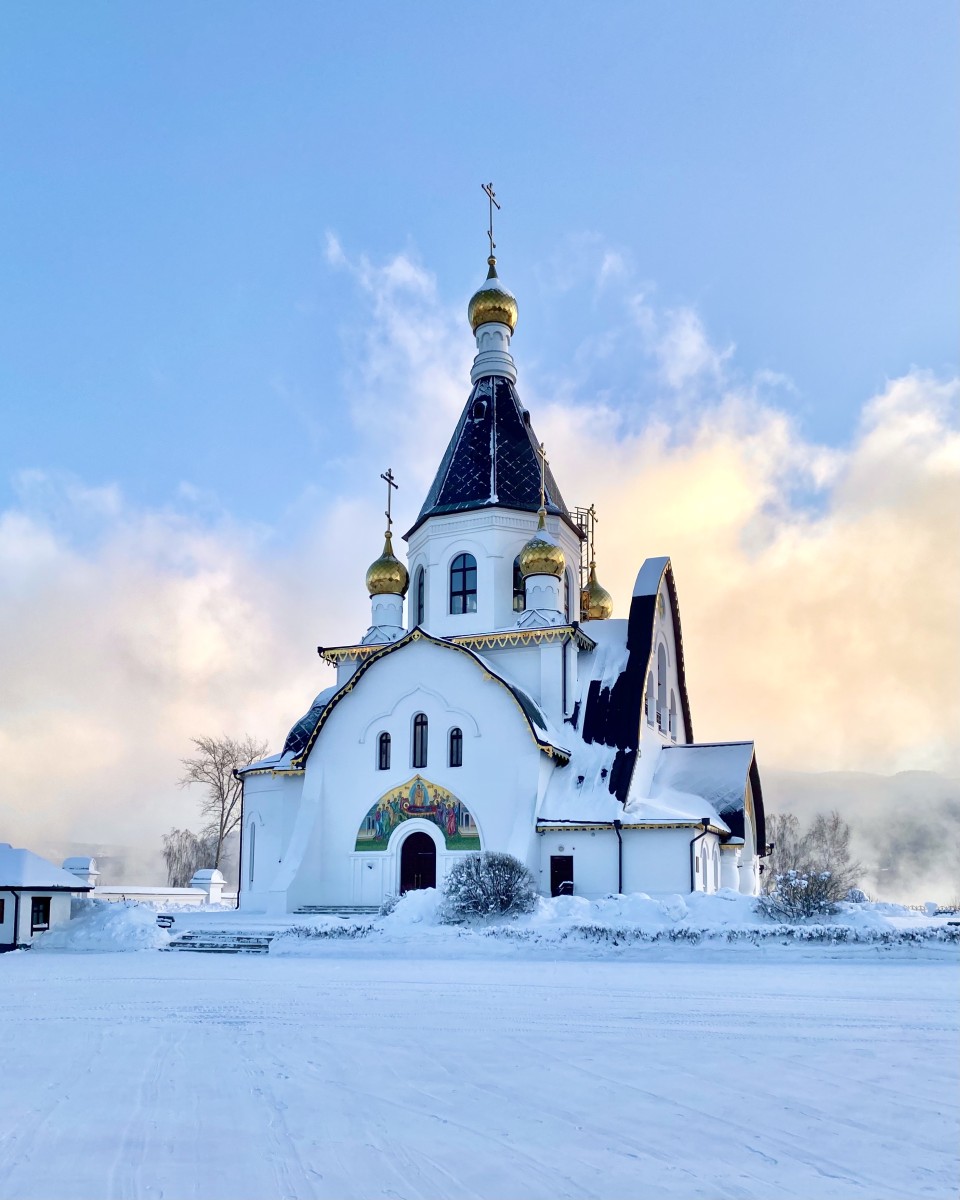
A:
(420, 740)
(383, 752)
(673, 715)
(661, 686)
(456, 747)
(420, 596)
(519, 591)
(250, 854)
(566, 596)
(648, 699)
(463, 584)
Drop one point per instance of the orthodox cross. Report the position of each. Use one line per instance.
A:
(387, 477)
(542, 455)
(492, 197)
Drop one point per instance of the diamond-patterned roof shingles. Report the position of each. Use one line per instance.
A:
(491, 459)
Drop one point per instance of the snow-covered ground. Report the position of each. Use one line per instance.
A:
(442, 1066)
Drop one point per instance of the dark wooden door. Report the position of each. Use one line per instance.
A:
(418, 863)
(561, 874)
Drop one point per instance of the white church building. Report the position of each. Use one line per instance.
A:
(494, 703)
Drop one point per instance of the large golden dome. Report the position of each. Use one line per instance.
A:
(492, 302)
(596, 602)
(541, 555)
(387, 576)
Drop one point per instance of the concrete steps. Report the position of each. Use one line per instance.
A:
(338, 910)
(221, 941)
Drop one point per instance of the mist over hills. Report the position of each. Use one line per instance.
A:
(906, 827)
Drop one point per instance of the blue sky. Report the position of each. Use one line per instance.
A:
(168, 313)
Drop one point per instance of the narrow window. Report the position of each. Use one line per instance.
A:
(463, 584)
(1, 912)
(39, 914)
(456, 748)
(383, 752)
(648, 699)
(420, 740)
(661, 687)
(566, 596)
(420, 594)
(253, 847)
(519, 591)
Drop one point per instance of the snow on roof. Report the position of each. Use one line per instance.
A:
(648, 581)
(716, 771)
(24, 869)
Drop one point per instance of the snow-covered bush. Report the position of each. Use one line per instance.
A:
(857, 896)
(799, 894)
(487, 885)
(388, 905)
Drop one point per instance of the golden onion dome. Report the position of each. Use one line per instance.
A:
(596, 602)
(492, 302)
(387, 576)
(541, 555)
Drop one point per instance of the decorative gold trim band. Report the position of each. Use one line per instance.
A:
(503, 639)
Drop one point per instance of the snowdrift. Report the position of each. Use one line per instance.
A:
(104, 925)
(724, 916)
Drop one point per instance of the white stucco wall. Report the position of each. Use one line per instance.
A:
(309, 823)
(494, 537)
(59, 913)
(655, 861)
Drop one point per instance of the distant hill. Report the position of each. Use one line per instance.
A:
(906, 827)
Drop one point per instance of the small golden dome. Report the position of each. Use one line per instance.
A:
(541, 555)
(596, 602)
(492, 302)
(387, 576)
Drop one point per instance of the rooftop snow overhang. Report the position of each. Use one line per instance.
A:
(537, 723)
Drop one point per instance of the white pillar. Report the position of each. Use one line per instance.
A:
(730, 869)
(209, 880)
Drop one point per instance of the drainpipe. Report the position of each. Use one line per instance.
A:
(617, 826)
(705, 822)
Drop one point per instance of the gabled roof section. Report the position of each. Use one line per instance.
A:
(492, 459)
(302, 737)
(24, 870)
(613, 711)
(719, 772)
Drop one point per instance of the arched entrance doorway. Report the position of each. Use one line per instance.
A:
(418, 862)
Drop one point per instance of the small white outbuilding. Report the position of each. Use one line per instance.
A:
(34, 895)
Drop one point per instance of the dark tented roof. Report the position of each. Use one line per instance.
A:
(491, 459)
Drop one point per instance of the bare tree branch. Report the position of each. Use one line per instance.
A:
(214, 767)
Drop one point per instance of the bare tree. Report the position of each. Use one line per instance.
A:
(821, 853)
(783, 830)
(184, 853)
(214, 766)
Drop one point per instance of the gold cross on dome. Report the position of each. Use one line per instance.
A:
(492, 197)
(387, 477)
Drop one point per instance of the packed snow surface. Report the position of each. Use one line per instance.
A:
(471, 1067)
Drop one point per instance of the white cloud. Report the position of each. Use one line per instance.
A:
(818, 585)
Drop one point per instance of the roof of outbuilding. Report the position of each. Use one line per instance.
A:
(717, 771)
(492, 459)
(24, 870)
